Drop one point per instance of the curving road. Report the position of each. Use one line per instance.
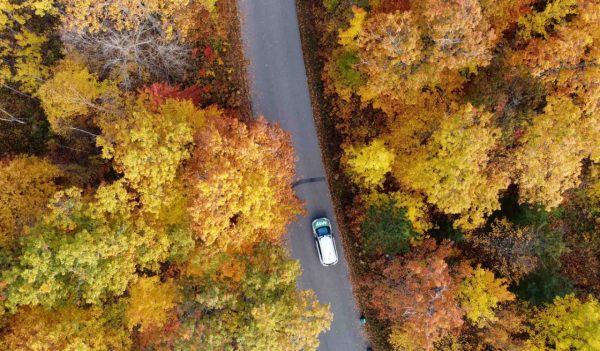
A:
(279, 91)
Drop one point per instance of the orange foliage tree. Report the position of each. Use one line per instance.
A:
(239, 182)
(417, 295)
(403, 53)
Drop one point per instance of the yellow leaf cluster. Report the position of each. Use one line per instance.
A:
(548, 162)
(26, 185)
(26, 53)
(369, 163)
(148, 146)
(504, 14)
(567, 324)
(20, 47)
(451, 168)
(480, 294)
(66, 328)
(388, 46)
(98, 241)
(150, 303)
(347, 37)
(537, 23)
(93, 16)
(262, 310)
(402, 340)
(277, 321)
(402, 53)
(74, 92)
(462, 37)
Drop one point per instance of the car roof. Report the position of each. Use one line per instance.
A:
(328, 252)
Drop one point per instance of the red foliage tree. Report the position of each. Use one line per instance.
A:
(159, 92)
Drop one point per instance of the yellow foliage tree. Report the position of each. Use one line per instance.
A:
(27, 183)
(402, 340)
(480, 293)
(73, 92)
(148, 145)
(567, 324)
(348, 36)
(548, 161)
(239, 181)
(537, 23)
(461, 35)
(66, 329)
(150, 303)
(452, 168)
(21, 42)
(369, 163)
(93, 16)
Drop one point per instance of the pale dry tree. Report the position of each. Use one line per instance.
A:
(133, 56)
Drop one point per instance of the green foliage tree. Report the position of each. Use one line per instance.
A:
(331, 5)
(84, 251)
(341, 68)
(543, 285)
(258, 309)
(417, 211)
(386, 229)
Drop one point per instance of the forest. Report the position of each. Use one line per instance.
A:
(466, 139)
(141, 207)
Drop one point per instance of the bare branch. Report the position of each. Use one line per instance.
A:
(133, 55)
(11, 118)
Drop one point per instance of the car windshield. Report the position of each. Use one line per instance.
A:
(322, 231)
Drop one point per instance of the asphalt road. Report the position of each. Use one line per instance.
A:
(279, 91)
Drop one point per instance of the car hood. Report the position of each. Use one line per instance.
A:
(328, 251)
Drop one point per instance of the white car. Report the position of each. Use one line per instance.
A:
(321, 228)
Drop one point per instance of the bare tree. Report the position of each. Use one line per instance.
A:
(133, 56)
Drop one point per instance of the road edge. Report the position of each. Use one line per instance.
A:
(332, 168)
(238, 59)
